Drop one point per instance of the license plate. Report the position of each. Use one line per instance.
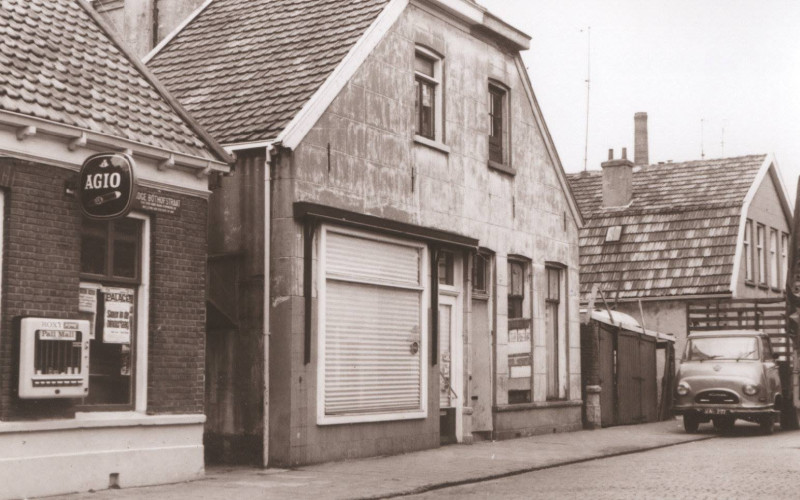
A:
(715, 411)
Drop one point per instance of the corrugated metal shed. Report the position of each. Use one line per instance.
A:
(678, 235)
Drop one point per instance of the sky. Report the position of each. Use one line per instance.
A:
(720, 77)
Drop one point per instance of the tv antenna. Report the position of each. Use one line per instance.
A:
(702, 139)
(588, 92)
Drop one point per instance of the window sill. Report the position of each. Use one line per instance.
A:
(502, 168)
(750, 283)
(537, 405)
(763, 286)
(439, 146)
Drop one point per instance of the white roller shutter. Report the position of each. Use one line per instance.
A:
(372, 338)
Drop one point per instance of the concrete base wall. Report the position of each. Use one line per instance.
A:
(65, 456)
(529, 420)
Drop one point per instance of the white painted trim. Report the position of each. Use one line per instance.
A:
(321, 275)
(768, 166)
(204, 194)
(240, 146)
(99, 420)
(142, 316)
(307, 117)
(70, 133)
(548, 141)
(465, 11)
(454, 296)
(174, 33)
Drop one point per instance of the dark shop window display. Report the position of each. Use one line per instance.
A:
(110, 278)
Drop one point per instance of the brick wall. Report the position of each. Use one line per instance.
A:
(41, 274)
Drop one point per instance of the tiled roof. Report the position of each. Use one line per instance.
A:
(679, 233)
(58, 64)
(245, 68)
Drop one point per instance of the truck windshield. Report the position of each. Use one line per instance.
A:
(736, 348)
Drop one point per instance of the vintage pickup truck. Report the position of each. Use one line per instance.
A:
(727, 375)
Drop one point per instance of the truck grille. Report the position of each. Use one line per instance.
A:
(717, 398)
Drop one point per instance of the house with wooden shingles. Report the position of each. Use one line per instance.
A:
(395, 262)
(658, 236)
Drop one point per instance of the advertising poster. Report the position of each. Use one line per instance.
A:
(87, 304)
(117, 316)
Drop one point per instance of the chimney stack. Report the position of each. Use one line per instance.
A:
(640, 152)
(617, 181)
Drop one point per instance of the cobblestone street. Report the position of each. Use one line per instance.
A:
(742, 464)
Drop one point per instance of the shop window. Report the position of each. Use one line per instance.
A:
(498, 127)
(371, 335)
(761, 255)
(110, 281)
(520, 345)
(428, 95)
(748, 252)
(554, 341)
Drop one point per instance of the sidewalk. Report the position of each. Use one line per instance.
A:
(414, 472)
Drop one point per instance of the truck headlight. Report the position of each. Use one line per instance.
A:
(683, 389)
(750, 389)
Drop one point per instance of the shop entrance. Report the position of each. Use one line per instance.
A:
(450, 348)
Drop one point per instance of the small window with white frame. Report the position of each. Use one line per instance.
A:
(428, 115)
(748, 252)
(774, 270)
(784, 258)
(761, 254)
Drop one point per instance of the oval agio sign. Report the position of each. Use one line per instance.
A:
(107, 185)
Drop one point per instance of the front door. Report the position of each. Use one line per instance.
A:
(450, 349)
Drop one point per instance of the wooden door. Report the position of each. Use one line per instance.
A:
(606, 358)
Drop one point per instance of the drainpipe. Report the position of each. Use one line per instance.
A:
(270, 149)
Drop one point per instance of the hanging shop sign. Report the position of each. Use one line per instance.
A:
(107, 186)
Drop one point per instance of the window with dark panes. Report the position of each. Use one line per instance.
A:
(520, 335)
(516, 288)
(446, 268)
(553, 329)
(497, 111)
(480, 278)
(425, 84)
(110, 278)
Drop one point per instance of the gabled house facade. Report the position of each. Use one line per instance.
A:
(658, 236)
(103, 216)
(395, 263)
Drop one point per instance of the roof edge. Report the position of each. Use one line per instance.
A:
(163, 43)
(549, 143)
(204, 136)
(292, 134)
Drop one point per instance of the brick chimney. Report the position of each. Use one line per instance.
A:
(617, 180)
(640, 140)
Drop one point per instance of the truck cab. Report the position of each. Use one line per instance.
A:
(727, 375)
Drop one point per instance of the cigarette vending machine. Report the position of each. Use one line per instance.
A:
(54, 358)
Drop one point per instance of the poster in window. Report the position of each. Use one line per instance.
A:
(87, 304)
(117, 316)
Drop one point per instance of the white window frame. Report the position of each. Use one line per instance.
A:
(761, 239)
(438, 104)
(321, 285)
(748, 252)
(784, 259)
(504, 165)
(142, 327)
(774, 269)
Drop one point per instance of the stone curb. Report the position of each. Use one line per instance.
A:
(516, 472)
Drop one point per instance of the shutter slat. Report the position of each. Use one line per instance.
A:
(369, 366)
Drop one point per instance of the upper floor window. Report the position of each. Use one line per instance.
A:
(498, 125)
(480, 274)
(784, 258)
(748, 251)
(774, 276)
(761, 254)
(428, 95)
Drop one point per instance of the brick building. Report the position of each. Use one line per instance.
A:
(395, 263)
(103, 321)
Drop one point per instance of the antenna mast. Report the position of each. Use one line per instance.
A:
(702, 139)
(588, 92)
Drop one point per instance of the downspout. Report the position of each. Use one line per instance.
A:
(270, 149)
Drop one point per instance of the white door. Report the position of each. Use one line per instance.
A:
(448, 390)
